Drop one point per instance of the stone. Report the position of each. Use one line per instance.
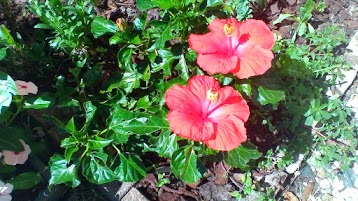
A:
(134, 195)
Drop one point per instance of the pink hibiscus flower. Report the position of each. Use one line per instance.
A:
(202, 111)
(243, 49)
(13, 158)
(24, 88)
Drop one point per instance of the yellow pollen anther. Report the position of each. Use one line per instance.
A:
(229, 28)
(212, 94)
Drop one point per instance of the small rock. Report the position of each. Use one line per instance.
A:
(343, 15)
(348, 194)
(294, 166)
(134, 194)
(352, 24)
(334, 9)
(325, 185)
(291, 2)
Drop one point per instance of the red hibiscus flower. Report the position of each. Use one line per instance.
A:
(243, 49)
(202, 111)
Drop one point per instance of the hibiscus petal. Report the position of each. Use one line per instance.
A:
(230, 134)
(217, 26)
(190, 126)
(203, 44)
(200, 85)
(259, 33)
(230, 103)
(182, 99)
(254, 60)
(217, 63)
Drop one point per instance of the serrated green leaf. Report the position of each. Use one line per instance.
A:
(25, 180)
(165, 144)
(240, 156)
(131, 168)
(71, 127)
(42, 101)
(90, 111)
(130, 81)
(98, 142)
(246, 88)
(185, 165)
(182, 68)
(160, 42)
(96, 171)
(101, 26)
(126, 122)
(269, 96)
(165, 62)
(61, 174)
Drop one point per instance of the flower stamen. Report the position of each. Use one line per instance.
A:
(212, 94)
(229, 28)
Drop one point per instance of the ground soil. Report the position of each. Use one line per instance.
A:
(217, 183)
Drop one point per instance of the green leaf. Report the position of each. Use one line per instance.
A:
(90, 111)
(71, 146)
(42, 101)
(7, 84)
(240, 156)
(185, 165)
(5, 99)
(96, 171)
(268, 96)
(213, 3)
(143, 103)
(25, 180)
(165, 144)
(245, 87)
(131, 168)
(61, 174)
(101, 26)
(165, 62)
(5, 36)
(9, 139)
(117, 38)
(2, 53)
(160, 42)
(42, 26)
(145, 4)
(130, 81)
(98, 142)
(281, 17)
(126, 122)
(71, 127)
(182, 68)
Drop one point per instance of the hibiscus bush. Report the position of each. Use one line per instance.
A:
(183, 85)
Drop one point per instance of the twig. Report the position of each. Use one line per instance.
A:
(328, 139)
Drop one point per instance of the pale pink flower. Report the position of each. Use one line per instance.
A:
(24, 88)
(13, 158)
(5, 190)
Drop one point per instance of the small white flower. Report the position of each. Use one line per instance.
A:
(5, 190)
(24, 88)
